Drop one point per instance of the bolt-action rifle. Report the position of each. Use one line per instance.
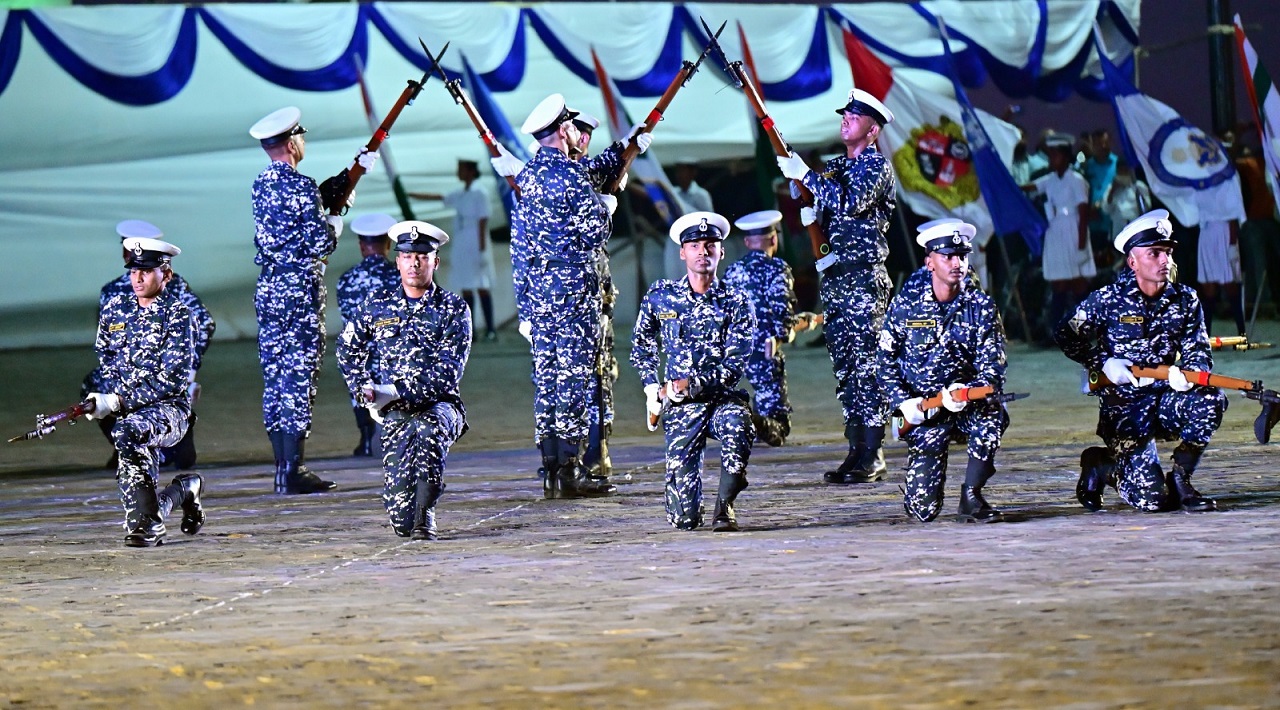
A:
(345, 182)
(1254, 390)
(899, 426)
(46, 423)
(680, 80)
(742, 79)
(461, 98)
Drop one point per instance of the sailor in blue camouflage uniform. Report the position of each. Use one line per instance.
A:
(145, 358)
(703, 328)
(940, 336)
(403, 356)
(295, 232)
(770, 288)
(853, 199)
(183, 454)
(1145, 319)
(558, 227)
(374, 273)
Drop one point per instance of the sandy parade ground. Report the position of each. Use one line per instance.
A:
(830, 597)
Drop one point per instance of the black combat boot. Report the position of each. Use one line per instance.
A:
(189, 487)
(856, 434)
(298, 479)
(771, 430)
(1185, 459)
(973, 506)
(183, 454)
(1266, 421)
(550, 448)
(424, 510)
(731, 484)
(870, 466)
(367, 427)
(1096, 466)
(148, 530)
(572, 477)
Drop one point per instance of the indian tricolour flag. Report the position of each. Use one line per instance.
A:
(1266, 106)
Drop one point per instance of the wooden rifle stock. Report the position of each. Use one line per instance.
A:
(47, 423)
(817, 238)
(899, 425)
(682, 77)
(356, 171)
(1097, 380)
(461, 98)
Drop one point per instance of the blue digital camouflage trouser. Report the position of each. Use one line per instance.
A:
(415, 446)
(686, 427)
(1131, 419)
(566, 336)
(981, 424)
(768, 378)
(855, 304)
(290, 308)
(138, 437)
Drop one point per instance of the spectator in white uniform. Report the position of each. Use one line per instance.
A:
(471, 261)
(1218, 257)
(1068, 258)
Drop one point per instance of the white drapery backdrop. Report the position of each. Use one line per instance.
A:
(78, 161)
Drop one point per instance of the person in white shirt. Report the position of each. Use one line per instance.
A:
(1218, 257)
(471, 261)
(1068, 258)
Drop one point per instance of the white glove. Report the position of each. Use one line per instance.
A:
(103, 405)
(642, 139)
(610, 203)
(366, 159)
(793, 167)
(1178, 381)
(949, 402)
(911, 411)
(526, 330)
(506, 164)
(378, 396)
(622, 182)
(674, 395)
(795, 189)
(811, 319)
(1117, 370)
(335, 223)
(652, 404)
(808, 215)
(770, 348)
(193, 392)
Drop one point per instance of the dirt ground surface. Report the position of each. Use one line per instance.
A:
(828, 598)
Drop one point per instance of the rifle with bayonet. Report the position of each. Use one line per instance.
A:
(47, 423)
(1236, 342)
(338, 190)
(1254, 390)
(740, 78)
(681, 79)
(460, 97)
(899, 426)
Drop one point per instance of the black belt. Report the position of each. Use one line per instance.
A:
(545, 262)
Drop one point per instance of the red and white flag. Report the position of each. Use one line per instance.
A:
(1266, 107)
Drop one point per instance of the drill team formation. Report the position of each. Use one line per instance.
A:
(926, 366)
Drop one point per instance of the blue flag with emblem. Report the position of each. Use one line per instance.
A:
(1179, 159)
(497, 122)
(1011, 211)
